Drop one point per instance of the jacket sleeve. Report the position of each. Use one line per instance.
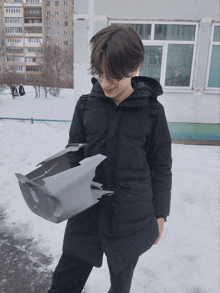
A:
(160, 163)
(77, 134)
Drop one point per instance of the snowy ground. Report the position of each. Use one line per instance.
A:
(186, 260)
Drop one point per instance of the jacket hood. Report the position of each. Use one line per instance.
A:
(143, 87)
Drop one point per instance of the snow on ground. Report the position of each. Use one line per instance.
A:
(59, 108)
(186, 260)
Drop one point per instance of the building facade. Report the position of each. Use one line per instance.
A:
(30, 23)
(2, 38)
(182, 51)
(59, 29)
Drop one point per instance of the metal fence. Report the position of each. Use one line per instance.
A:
(32, 119)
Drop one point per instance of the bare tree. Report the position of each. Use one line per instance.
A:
(9, 77)
(55, 67)
(35, 81)
(2, 87)
(2, 40)
(56, 64)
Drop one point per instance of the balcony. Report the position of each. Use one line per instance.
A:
(33, 69)
(33, 32)
(17, 24)
(17, 45)
(32, 5)
(14, 50)
(32, 24)
(33, 13)
(33, 60)
(33, 44)
(33, 35)
(15, 63)
(12, 4)
(14, 35)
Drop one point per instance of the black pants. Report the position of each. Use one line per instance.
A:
(72, 273)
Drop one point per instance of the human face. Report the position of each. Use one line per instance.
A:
(117, 90)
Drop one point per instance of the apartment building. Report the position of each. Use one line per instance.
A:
(28, 24)
(59, 29)
(2, 44)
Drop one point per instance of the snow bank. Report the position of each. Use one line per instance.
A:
(186, 260)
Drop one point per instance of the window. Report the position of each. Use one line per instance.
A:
(65, 13)
(13, 30)
(57, 33)
(33, 40)
(66, 43)
(48, 3)
(48, 33)
(33, 21)
(48, 23)
(17, 68)
(13, 10)
(33, 59)
(12, 1)
(169, 52)
(57, 13)
(14, 40)
(57, 23)
(65, 3)
(56, 3)
(32, 68)
(213, 80)
(15, 58)
(65, 23)
(48, 13)
(33, 1)
(14, 50)
(33, 11)
(65, 33)
(32, 50)
(13, 20)
(33, 30)
(29, 59)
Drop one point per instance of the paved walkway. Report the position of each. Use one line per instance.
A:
(23, 269)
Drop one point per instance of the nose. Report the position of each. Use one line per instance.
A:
(105, 83)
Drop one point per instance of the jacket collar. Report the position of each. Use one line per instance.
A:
(144, 88)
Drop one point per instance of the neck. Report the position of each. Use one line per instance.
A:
(123, 96)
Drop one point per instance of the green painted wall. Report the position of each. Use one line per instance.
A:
(194, 131)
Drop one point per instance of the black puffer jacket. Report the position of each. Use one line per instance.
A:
(137, 168)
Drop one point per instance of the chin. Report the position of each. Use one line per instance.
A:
(110, 95)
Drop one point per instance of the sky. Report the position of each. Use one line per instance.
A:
(186, 259)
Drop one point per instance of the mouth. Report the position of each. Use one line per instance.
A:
(110, 90)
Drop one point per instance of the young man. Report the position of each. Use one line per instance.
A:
(122, 120)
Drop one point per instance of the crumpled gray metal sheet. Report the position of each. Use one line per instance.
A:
(64, 192)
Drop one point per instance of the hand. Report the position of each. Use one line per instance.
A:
(160, 223)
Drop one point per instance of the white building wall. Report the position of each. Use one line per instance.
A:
(196, 105)
(157, 9)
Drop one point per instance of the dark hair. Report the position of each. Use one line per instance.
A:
(119, 48)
